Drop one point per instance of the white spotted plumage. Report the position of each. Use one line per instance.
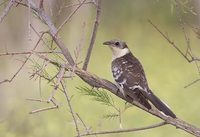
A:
(130, 77)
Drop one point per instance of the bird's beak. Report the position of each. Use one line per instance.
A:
(107, 43)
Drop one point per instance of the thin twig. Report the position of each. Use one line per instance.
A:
(70, 16)
(171, 42)
(93, 35)
(17, 72)
(6, 10)
(193, 82)
(59, 79)
(43, 109)
(86, 128)
(21, 3)
(71, 109)
(125, 130)
(29, 52)
(188, 50)
(37, 100)
(38, 34)
(72, 5)
(53, 32)
(80, 45)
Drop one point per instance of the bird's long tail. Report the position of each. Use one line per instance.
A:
(160, 105)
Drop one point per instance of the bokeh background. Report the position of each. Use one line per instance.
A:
(166, 70)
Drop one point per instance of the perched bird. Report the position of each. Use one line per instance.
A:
(130, 77)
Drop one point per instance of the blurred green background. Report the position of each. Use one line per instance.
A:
(166, 70)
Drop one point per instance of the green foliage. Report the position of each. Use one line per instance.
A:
(97, 95)
(111, 116)
(104, 98)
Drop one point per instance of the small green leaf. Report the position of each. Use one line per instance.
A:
(111, 116)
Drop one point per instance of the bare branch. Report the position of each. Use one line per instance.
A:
(17, 72)
(71, 110)
(188, 50)
(193, 82)
(43, 109)
(125, 130)
(37, 100)
(53, 32)
(59, 79)
(97, 82)
(55, 105)
(87, 129)
(93, 35)
(173, 44)
(70, 16)
(72, 5)
(6, 10)
(29, 52)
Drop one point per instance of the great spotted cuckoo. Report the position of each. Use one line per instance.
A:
(130, 77)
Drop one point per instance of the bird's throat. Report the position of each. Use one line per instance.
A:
(117, 52)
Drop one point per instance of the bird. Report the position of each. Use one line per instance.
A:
(130, 78)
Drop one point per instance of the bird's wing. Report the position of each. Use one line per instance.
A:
(133, 74)
(136, 83)
(131, 78)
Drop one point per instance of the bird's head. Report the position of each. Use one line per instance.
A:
(118, 47)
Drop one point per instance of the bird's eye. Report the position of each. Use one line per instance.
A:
(116, 43)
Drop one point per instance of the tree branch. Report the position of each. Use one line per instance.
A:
(93, 35)
(6, 10)
(97, 82)
(70, 16)
(53, 31)
(125, 130)
(71, 110)
(28, 57)
(174, 45)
